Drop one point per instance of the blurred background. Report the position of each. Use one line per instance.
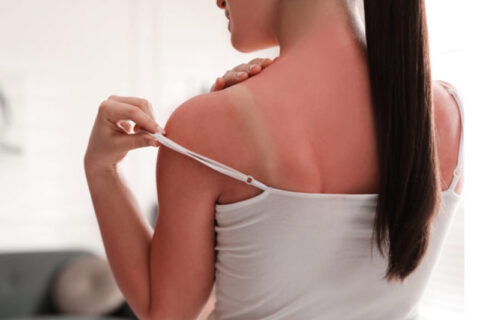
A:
(59, 59)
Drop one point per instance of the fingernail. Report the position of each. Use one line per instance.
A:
(250, 68)
(159, 129)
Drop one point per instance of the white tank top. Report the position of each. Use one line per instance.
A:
(296, 255)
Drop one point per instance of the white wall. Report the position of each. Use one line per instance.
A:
(69, 56)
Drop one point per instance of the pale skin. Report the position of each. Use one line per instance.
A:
(291, 126)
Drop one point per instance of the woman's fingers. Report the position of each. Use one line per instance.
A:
(115, 111)
(126, 142)
(252, 67)
(112, 135)
(232, 77)
(126, 125)
(143, 104)
(242, 67)
(260, 62)
(267, 62)
(241, 73)
(218, 85)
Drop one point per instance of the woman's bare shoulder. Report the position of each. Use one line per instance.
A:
(212, 124)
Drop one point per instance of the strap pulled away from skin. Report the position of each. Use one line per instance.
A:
(215, 165)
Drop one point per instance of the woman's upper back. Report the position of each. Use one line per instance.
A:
(318, 141)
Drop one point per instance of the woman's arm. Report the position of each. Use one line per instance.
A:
(166, 272)
(125, 233)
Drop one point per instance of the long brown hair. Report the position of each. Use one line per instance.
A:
(401, 88)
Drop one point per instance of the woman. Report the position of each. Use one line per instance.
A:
(332, 152)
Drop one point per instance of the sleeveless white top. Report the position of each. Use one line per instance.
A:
(297, 255)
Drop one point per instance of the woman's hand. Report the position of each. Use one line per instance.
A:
(113, 133)
(241, 73)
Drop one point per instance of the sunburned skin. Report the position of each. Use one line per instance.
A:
(305, 128)
(314, 131)
(310, 118)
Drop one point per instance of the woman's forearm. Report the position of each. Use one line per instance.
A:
(126, 235)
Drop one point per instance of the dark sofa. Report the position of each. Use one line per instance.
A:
(25, 286)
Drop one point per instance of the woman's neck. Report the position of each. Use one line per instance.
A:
(323, 49)
(322, 27)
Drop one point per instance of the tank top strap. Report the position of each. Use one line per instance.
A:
(215, 165)
(459, 167)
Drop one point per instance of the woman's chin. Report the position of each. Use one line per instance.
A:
(240, 44)
(247, 47)
(244, 43)
(239, 47)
